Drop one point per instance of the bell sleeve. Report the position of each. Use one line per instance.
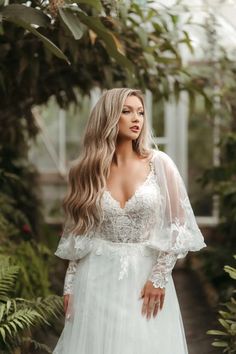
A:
(73, 246)
(176, 232)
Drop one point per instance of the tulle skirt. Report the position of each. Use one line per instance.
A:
(105, 308)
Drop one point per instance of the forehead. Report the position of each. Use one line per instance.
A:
(133, 101)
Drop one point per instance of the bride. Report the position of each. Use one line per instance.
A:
(128, 220)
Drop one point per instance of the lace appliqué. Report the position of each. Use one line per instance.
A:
(133, 222)
(124, 261)
(162, 269)
(69, 277)
(186, 238)
(123, 250)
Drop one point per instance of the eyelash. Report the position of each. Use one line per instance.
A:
(142, 113)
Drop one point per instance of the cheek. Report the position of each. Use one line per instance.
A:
(123, 122)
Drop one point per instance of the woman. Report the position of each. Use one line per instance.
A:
(128, 221)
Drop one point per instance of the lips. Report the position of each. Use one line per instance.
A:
(135, 128)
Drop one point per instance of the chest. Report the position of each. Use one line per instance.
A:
(145, 200)
(136, 219)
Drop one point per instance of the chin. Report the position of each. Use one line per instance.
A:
(131, 136)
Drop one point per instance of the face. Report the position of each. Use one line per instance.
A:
(132, 116)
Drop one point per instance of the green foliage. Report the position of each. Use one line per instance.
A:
(34, 260)
(18, 240)
(139, 47)
(8, 275)
(25, 16)
(20, 203)
(219, 80)
(213, 266)
(18, 315)
(221, 180)
(227, 320)
(10, 218)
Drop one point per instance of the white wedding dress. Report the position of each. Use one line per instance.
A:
(105, 276)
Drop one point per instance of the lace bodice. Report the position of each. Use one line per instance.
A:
(132, 223)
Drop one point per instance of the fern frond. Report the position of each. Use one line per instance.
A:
(6, 308)
(8, 276)
(19, 320)
(50, 307)
(19, 315)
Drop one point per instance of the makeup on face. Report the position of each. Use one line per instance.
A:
(132, 116)
(128, 108)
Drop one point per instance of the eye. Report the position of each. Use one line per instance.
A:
(125, 111)
(142, 113)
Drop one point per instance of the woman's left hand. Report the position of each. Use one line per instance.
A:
(153, 299)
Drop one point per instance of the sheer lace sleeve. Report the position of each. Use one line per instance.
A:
(178, 232)
(69, 277)
(73, 246)
(162, 269)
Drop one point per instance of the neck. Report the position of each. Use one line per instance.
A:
(124, 152)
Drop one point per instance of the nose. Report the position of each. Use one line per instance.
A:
(135, 116)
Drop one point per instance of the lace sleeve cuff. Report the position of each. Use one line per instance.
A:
(162, 269)
(69, 277)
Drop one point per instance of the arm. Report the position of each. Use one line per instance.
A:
(159, 276)
(162, 269)
(175, 234)
(69, 277)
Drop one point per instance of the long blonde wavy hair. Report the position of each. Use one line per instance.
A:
(88, 174)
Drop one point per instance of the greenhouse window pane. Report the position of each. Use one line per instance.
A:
(200, 157)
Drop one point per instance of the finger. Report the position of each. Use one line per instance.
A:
(145, 305)
(69, 310)
(65, 304)
(151, 307)
(162, 301)
(65, 308)
(156, 308)
(67, 299)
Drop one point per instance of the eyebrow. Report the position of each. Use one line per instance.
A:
(126, 105)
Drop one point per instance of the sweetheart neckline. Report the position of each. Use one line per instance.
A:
(136, 191)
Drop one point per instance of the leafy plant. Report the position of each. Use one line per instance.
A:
(218, 75)
(18, 316)
(227, 320)
(139, 47)
(34, 260)
(75, 19)
(221, 179)
(20, 203)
